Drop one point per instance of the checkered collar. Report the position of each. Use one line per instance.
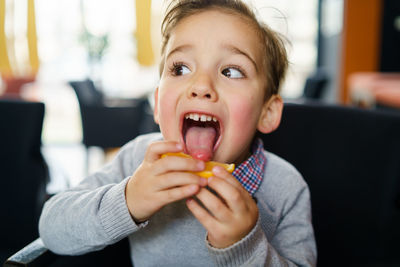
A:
(250, 173)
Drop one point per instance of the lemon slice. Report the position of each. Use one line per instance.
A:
(209, 165)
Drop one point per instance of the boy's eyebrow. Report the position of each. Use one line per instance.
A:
(180, 48)
(236, 50)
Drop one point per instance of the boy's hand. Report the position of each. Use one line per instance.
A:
(158, 182)
(231, 216)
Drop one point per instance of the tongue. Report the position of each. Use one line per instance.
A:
(200, 142)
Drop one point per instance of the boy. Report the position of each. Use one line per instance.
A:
(220, 74)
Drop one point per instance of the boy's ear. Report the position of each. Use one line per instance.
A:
(155, 113)
(270, 115)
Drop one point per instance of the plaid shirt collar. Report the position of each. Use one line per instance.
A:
(250, 173)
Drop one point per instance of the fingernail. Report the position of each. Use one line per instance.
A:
(192, 188)
(217, 170)
(200, 165)
(203, 181)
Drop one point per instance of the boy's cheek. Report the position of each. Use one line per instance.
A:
(239, 132)
(169, 124)
(244, 118)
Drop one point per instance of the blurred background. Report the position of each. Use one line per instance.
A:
(77, 79)
(340, 52)
(78, 76)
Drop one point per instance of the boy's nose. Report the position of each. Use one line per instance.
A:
(202, 90)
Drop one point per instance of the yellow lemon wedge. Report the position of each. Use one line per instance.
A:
(207, 173)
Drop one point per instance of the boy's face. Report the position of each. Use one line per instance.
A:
(211, 96)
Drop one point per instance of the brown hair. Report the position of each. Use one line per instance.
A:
(275, 57)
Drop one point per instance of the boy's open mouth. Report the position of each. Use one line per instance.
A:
(201, 134)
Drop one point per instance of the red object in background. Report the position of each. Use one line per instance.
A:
(370, 88)
(13, 86)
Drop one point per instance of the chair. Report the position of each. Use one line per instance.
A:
(350, 159)
(315, 85)
(36, 255)
(24, 174)
(110, 123)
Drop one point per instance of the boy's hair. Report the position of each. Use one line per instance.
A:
(275, 61)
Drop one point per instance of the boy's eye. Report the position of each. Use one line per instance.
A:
(179, 69)
(233, 73)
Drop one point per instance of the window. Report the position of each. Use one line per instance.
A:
(64, 53)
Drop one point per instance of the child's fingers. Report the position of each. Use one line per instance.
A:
(222, 173)
(234, 196)
(156, 149)
(178, 193)
(173, 163)
(214, 204)
(203, 216)
(175, 179)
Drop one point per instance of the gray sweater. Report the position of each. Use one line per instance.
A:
(95, 214)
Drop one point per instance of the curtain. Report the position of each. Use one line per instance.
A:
(6, 64)
(145, 54)
(5, 67)
(32, 39)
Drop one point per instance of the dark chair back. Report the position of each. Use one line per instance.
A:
(315, 85)
(87, 93)
(23, 173)
(37, 255)
(109, 123)
(350, 159)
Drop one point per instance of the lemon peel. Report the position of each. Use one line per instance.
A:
(209, 165)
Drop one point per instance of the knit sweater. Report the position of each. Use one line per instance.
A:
(94, 214)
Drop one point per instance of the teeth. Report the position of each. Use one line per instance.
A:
(200, 117)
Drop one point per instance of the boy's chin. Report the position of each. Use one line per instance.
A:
(218, 157)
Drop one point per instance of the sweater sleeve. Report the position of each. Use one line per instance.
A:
(285, 240)
(94, 214)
